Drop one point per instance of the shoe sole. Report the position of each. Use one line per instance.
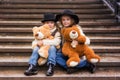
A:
(30, 74)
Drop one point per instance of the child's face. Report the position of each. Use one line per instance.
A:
(66, 21)
(51, 24)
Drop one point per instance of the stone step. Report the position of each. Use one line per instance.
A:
(52, 6)
(37, 23)
(48, 1)
(82, 18)
(29, 39)
(40, 16)
(86, 30)
(27, 48)
(97, 21)
(14, 40)
(98, 32)
(22, 60)
(41, 11)
(16, 73)
(29, 34)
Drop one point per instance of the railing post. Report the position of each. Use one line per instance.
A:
(117, 10)
(113, 5)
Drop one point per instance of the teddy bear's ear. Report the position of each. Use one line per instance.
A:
(34, 28)
(46, 26)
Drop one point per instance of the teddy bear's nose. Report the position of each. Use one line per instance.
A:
(73, 32)
(36, 34)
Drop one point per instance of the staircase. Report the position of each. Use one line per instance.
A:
(17, 17)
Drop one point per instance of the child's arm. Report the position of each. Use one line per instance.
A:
(55, 41)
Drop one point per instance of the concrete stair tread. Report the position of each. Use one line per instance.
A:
(24, 58)
(27, 40)
(41, 22)
(47, 1)
(55, 6)
(11, 48)
(41, 11)
(7, 60)
(38, 16)
(16, 72)
(30, 39)
(29, 46)
(89, 30)
(36, 23)
(25, 29)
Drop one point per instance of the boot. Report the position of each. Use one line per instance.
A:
(71, 70)
(91, 67)
(32, 70)
(50, 70)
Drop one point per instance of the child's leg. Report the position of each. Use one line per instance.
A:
(34, 57)
(52, 55)
(82, 64)
(32, 68)
(51, 61)
(61, 60)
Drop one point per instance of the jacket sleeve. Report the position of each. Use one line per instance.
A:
(87, 39)
(56, 41)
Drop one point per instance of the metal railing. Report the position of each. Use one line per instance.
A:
(114, 5)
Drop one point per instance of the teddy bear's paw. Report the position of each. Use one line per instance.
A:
(73, 64)
(42, 61)
(94, 60)
(42, 54)
(87, 41)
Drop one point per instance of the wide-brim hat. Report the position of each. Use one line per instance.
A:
(49, 17)
(69, 13)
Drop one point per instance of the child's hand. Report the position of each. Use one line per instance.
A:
(40, 43)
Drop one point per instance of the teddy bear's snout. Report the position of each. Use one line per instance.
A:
(40, 35)
(36, 34)
(73, 34)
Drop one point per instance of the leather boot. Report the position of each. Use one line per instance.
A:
(50, 70)
(91, 67)
(71, 70)
(32, 70)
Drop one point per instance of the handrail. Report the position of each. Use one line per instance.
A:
(114, 5)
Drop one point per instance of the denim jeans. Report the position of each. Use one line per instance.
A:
(51, 58)
(52, 55)
(34, 57)
(61, 60)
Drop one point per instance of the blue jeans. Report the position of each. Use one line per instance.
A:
(34, 57)
(52, 55)
(51, 58)
(61, 60)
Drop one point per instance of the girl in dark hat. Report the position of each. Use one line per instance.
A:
(50, 20)
(68, 19)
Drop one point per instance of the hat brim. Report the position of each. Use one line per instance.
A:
(75, 17)
(48, 20)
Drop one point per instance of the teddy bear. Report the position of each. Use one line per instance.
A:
(74, 47)
(41, 33)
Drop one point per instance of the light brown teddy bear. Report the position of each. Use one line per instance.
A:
(40, 33)
(75, 51)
